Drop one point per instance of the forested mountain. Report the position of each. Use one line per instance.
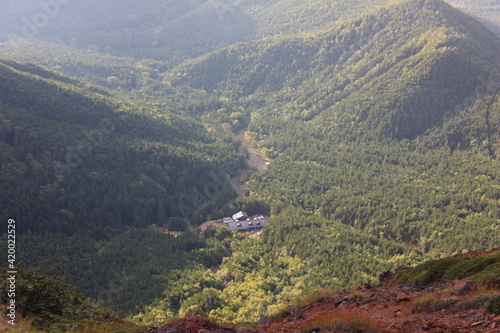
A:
(388, 124)
(383, 129)
(314, 77)
(105, 70)
(62, 136)
(363, 119)
(175, 30)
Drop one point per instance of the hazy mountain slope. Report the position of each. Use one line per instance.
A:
(89, 66)
(171, 30)
(487, 11)
(294, 16)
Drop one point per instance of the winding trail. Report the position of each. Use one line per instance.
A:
(258, 163)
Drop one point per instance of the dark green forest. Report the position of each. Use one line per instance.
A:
(381, 125)
(82, 172)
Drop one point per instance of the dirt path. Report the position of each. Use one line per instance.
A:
(256, 159)
(213, 223)
(258, 163)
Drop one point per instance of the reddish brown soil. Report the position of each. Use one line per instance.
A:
(475, 254)
(389, 311)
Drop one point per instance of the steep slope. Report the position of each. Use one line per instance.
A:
(296, 254)
(413, 299)
(89, 66)
(443, 306)
(47, 118)
(384, 132)
(46, 303)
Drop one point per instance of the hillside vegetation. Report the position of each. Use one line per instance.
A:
(365, 131)
(174, 30)
(482, 269)
(423, 297)
(46, 303)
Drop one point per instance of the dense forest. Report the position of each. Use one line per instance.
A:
(80, 168)
(381, 125)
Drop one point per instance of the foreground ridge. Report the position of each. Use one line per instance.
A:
(433, 303)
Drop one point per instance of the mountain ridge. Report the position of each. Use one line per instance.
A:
(239, 71)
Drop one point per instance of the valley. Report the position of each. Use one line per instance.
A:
(369, 131)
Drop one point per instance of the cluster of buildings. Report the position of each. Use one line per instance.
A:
(241, 222)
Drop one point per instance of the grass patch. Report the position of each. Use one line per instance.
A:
(468, 267)
(490, 273)
(424, 303)
(314, 295)
(280, 311)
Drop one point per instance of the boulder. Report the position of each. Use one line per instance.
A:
(464, 288)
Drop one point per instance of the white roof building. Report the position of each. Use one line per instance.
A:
(249, 224)
(240, 216)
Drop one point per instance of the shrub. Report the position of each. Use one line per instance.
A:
(494, 305)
